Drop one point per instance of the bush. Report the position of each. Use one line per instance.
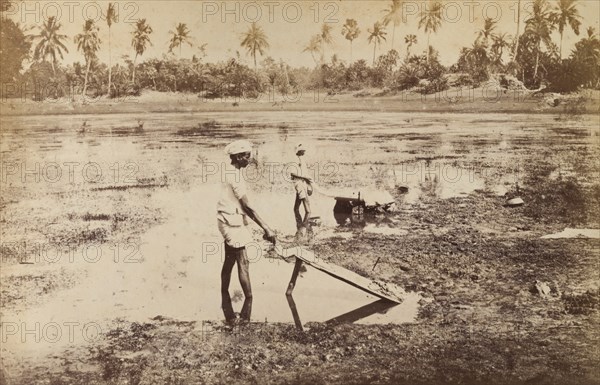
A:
(382, 72)
(42, 83)
(357, 75)
(125, 89)
(476, 62)
(15, 49)
(564, 77)
(461, 80)
(433, 86)
(407, 77)
(418, 68)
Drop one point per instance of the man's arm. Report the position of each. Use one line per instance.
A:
(251, 212)
(307, 179)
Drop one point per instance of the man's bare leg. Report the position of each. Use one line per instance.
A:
(306, 210)
(297, 210)
(230, 259)
(244, 276)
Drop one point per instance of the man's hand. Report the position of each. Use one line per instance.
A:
(270, 236)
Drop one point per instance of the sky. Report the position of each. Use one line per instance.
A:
(288, 25)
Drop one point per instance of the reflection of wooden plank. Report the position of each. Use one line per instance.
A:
(294, 310)
(379, 289)
(379, 306)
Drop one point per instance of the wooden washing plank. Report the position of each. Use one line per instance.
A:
(379, 289)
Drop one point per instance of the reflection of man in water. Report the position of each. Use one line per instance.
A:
(233, 209)
(304, 233)
(303, 186)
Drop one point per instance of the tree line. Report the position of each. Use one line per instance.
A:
(533, 57)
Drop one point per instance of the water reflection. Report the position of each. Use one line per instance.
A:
(304, 235)
(350, 220)
(381, 306)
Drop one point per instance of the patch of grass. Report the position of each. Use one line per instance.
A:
(95, 217)
(200, 128)
(563, 201)
(582, 304)
(573, 109)
(141, 183)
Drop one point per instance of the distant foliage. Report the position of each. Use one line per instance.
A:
(533, 63)
(475, 62)
(358, 75)
(531, 59)
(585, 60)
(43, 82)
(386, 65)
(428, 75)
(406, 78)
(15, 49)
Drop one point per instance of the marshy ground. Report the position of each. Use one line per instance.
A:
(144, 198)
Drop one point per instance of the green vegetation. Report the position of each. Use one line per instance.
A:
(89, 43)
(255, 40)
(111, 17)
(531, 57)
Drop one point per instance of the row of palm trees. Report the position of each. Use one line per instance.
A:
(543, 20)
(51, 42)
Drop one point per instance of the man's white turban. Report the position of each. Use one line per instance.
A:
(238, 147)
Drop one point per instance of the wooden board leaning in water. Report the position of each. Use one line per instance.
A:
(379, 289)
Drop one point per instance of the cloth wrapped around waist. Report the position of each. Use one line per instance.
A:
(235, 219)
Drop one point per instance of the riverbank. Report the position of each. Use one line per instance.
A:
(455, 100)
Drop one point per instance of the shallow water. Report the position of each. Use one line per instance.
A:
(175, 273)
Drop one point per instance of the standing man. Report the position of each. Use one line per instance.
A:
(302, 186)
(233, 209)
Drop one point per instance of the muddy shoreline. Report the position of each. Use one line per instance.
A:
(467, 101)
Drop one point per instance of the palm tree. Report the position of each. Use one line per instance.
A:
(566, 13)
(587, 55)
(499, 43)
(377, 34)
(111, 17)
(255, 39)
(88, 42)
(431, 21)
(180, 36)
(140, 41)
(516, 45)
(350, 31)
(393, 15)
(477, 57)
(313, 46)
(540, 26)
(410, 40)
(484, 35)
(326, 39)
(50, 43)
